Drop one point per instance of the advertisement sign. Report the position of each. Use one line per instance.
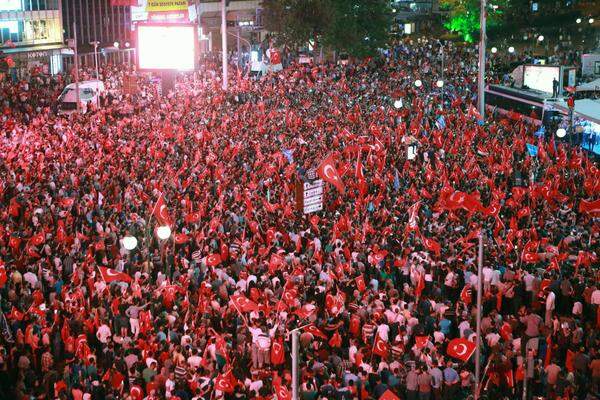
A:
(313, 196)
(166, 5)
(167, 47)
(540, 77)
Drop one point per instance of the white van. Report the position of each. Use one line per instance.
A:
(89, 91)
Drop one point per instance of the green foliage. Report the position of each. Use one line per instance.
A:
(463, 15)
(357, 27)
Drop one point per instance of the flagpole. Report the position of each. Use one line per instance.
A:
(295, 364)
(478, 329)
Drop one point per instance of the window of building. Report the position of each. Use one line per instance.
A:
(11, 5)
(36, 30)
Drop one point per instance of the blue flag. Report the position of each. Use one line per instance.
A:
(533, 150)
(540, 132)
(289, 154)
(396, 181)
(441, 122)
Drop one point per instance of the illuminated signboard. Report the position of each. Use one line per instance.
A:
(167, 47)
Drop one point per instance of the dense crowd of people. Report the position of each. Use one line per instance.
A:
(377, 284)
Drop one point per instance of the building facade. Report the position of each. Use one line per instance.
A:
(31, 35)
(100, 27)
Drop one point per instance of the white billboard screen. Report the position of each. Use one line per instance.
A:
(540, 77)
(166, 47)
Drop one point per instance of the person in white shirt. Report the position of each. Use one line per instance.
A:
(550, 305)
(103, 333)
(383, 331)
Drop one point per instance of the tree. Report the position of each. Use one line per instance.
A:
(296, 22)
(463, 16)
(357, 27)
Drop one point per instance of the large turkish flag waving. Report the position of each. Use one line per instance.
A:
(329, 173)
(380, 347)
(461, 348)
(161, 212)
(277, 351)
(112, 275)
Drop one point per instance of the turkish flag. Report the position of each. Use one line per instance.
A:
(61, 233)
(213, 260)
(243, 304)
(380, 347)
(360, 283)
(336, 340)
(14, 242)
(389, 395)
(276, 261)
(37, 239)
(160, 211)
(136, 392)
(420, 284)
(66, 202)
(313, 330)
(111, 275)
(413, 213)
(530, 257)
(3, 277)
(329, 173)
(282, 392)
(465, 295)
(432, 245)
(421, 341)
(16, 314)
(225, 382)
(334, 304)
(193, 217)
(277, 351)
(589, 207)
(461, 348)
(305, 311)
(181, 238)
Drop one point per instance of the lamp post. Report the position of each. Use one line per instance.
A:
(96, 44)
(481, 72)
(224, 42)
(478, 321)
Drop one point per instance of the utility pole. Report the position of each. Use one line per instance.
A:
(478, 328)
(481, 75)
(224, 42)
(76, 66)
(295, 363)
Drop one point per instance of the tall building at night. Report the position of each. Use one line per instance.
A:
(97, 21)
(31, 34)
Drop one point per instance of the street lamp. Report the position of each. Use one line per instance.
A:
(494, 50)
(418, 83)
(163, 232)
(130, 242)
(541, 38)
(561, 132)
(439, 83)
(398, 104)
(511, 49)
